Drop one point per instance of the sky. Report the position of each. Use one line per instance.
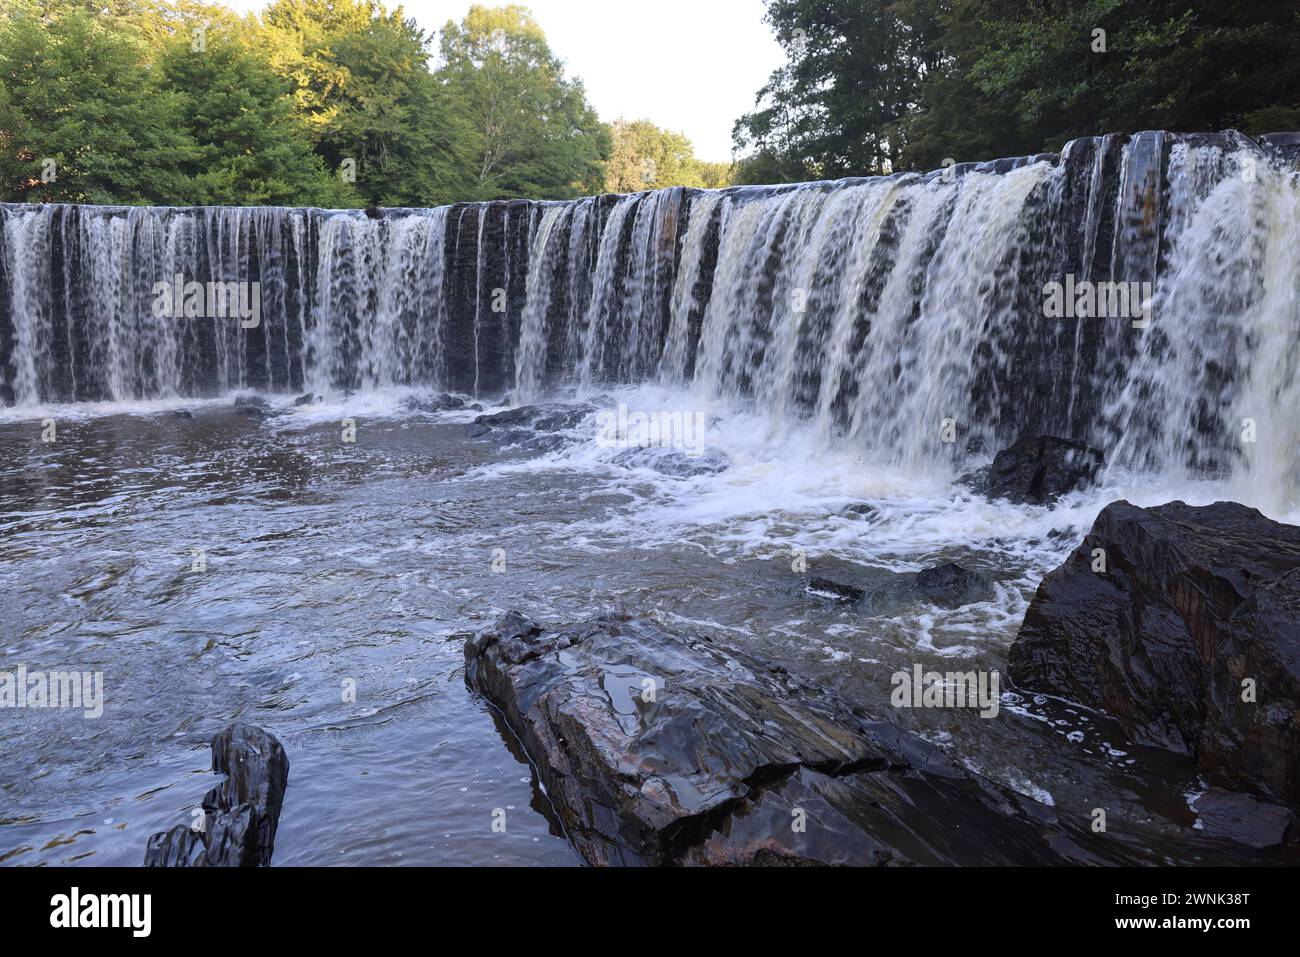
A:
(693, 66)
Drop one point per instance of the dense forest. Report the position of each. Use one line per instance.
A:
(338, 103)
(347, 103)
(874, 86)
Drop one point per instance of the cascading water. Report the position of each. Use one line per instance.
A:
(874, 312)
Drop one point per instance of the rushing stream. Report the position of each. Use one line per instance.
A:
(227, 565)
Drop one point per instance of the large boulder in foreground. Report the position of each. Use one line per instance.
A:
(240, 814)
(1195, 606)
(1037, 470)
(658, 749)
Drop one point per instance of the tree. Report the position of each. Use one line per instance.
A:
(531, 130)
(81, 117)
(878, 85)
(364, 90)
(251, 147)
(643, 156)
(854, 72)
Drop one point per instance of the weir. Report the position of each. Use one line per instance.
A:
(869, 310)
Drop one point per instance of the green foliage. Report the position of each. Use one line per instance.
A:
(363, 86)
(879, 85)
(644, 157)
(250, 146)
(79, 94)
(179, 101)
(530, 131)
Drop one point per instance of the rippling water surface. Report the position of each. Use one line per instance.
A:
(330, 563)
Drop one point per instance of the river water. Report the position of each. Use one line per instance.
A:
(329, 565)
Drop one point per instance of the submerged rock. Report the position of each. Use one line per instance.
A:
(180, 414)
(552, 417)
(860, 511)
(655, 748)
(1038, 470)
(675, 462)
(442, 402)
(1189, 637)
(951, 585)
(880, 592)
(240, 814)
(536, 428)
(1244, 819)
(250, 402)
(825, 588)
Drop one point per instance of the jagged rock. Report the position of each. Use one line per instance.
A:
(442, 402)
(1244, 819)
(674, 461)
(951, 586)
(879, 592)
(306, 399)
(825, 588)
(240, 814)
(860, 510)
(539, 418)
(182, 846)
(1192, 603)
(535, 428)
(1037, 470)
(657, 749)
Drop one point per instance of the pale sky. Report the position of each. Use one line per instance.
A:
(688, 65)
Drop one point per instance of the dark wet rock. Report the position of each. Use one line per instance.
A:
(825, 588)
(180, 414)
(308, 398)
(539, 418)
(1244, 819)
(1193, 602)
(951, 585)
(1037, 470)
(250, 402)
(240, 814)
(534, 428)
(442, 402)
(675, 462)
(875, 591)
(182, 846)
(655, 748)
(252, 412)
(860, 511)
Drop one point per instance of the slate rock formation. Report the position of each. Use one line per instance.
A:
(1038, 470)
(535, 428)
(240, 814)
(1196, 613)
(660, 749)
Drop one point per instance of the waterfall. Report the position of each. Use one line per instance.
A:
(904, 315)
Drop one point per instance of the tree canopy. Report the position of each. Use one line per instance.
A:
(873, 86)
(316, 102)
(643, 156)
